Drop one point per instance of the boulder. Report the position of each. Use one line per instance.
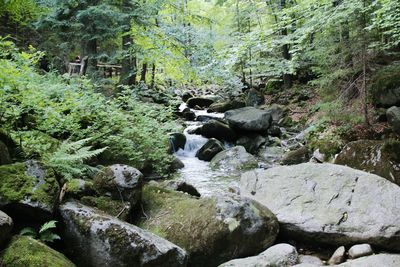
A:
(211, 230)
(199, 102)
(116, 208)
(24, 251)
(308, 259)
(379, 157)
(177, 141)
(278, 112)
(361, 250)
(254, 98)
(328, 203)
(28, 191)
(297, 156)
(78, 188)
(234, 159)
(280, 255)
(176, 164)
(96, 239)
(186, 96)
(225, 106)
(338, 256)
(188, 114)
(5, 157)
(121, 182)
(210, 149)
(6, 225)
(218, 130)
(249, 119)
(393, 117)
(385, 86)
(181, 186)
(271, 155)
(251, 142)
(275, 131)
(386, 260)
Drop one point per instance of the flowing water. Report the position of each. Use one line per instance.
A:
(198, 172)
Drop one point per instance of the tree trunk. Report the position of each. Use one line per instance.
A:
(143, 73)
(153, 76)
(128, 70)
(90, 50)
(287, 78)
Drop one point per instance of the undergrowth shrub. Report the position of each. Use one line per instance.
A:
(37, 108)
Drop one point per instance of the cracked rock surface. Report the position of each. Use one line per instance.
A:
(328, 203)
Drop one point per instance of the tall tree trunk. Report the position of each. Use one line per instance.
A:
(287, 78)
(153, 76)
(129, 69)
(90, 51)
(143, 73)
(128, 62)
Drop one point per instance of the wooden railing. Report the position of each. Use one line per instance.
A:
(108, 70)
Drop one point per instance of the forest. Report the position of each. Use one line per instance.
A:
(204, 133)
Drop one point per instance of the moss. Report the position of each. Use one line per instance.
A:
(188, 222)
(26, 252)
(109, 206)
(16, 185)
(392, 148)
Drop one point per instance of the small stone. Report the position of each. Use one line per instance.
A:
(337, 256)
(310, 260)
(361, 250)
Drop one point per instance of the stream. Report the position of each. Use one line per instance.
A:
(198, 172)
(211, 182)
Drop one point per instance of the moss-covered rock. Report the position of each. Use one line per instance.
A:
(24, 251)
(78, 188)
(385, 86)
(4, 154)
(28, 190)
(121, 182)
(234, 159)
(116, 208)
(94, 239)
(393, 117)
(297, 156)
(379, 157)
(210, 230)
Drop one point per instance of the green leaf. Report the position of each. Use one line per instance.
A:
(28, 231)
(48, 225)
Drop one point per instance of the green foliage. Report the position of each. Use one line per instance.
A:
(34, 107)
(45, 234)
(70, 157)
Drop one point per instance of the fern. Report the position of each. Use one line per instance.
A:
(69, 159)
(45, 233)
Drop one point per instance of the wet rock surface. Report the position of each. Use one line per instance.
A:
(327, 203)
(96, 239)
(211, 230)
(249, 119)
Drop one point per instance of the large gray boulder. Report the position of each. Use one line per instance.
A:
(6, 225)
(211, 230)
(122, 182)
(386, 260)
(199, 102)
(225, 106)
(234, 159)
(251, 142)
(327, 203)
(379, 157)
(96, 239)
(210, 149)
(393, 116)
(249, 119)
(218, 130)
(280, 255)
(28, 191)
